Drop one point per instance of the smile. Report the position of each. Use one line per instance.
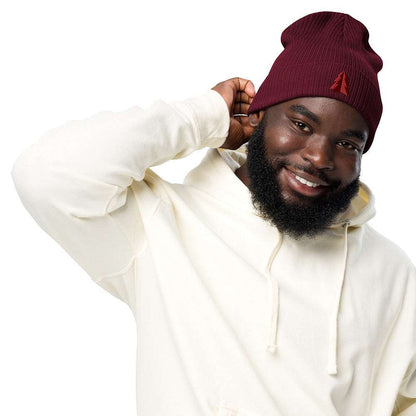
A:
(300, 185)
(305, 182)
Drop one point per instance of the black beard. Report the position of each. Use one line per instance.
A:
(297, 220)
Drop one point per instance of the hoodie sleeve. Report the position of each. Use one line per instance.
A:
(76, 179)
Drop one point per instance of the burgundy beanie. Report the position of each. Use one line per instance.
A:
(326, 54)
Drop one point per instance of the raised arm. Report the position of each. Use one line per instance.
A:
(76, 179)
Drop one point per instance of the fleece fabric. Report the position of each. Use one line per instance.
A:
(233, 318)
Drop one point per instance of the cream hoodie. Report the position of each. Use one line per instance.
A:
(233, 318)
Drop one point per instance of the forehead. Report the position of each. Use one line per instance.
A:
(320, 110)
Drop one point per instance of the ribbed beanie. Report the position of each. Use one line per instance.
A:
(326, 54)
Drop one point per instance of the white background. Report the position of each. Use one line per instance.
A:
(67, 347)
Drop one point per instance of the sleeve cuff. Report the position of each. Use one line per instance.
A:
(212, 117)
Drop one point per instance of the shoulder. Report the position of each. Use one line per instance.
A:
(385, 251)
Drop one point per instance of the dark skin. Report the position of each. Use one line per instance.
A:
(238, 93)
(321, 140)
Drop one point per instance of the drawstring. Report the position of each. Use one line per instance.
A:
(333, 336)
(272, 344)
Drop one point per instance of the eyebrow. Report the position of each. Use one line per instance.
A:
(355, 133)
(300, 109)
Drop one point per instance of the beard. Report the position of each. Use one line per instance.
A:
(306, 218)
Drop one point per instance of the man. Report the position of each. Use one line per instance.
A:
(257, 287)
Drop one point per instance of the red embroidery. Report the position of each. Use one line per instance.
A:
(341, 83)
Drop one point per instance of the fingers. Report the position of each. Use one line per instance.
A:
(236, 91)
(241, 103)
(243, 97)
(240, 108)
(244, 86)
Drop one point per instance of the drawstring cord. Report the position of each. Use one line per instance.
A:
(333, 336)
(272, 344)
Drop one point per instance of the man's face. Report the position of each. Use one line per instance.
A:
(304, 162)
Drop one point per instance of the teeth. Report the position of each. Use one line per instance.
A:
(305, 182)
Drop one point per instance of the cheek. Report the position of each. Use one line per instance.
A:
(357, 166)
(350, 169)
(281, 141)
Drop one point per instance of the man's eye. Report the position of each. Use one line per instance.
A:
(302, 126)
(347, 145)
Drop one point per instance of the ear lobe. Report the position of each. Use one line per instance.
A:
(255, 118)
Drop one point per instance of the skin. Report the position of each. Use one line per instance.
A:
(319, 139)
(238, 93)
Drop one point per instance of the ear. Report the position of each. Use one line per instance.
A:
(255, 118)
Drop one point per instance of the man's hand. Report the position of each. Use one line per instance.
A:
(238, 93)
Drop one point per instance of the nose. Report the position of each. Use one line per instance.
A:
(318, 151)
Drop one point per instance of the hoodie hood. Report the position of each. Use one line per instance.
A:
(360, 211)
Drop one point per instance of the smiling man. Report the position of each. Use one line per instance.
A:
(303, 164)
(257, 285)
